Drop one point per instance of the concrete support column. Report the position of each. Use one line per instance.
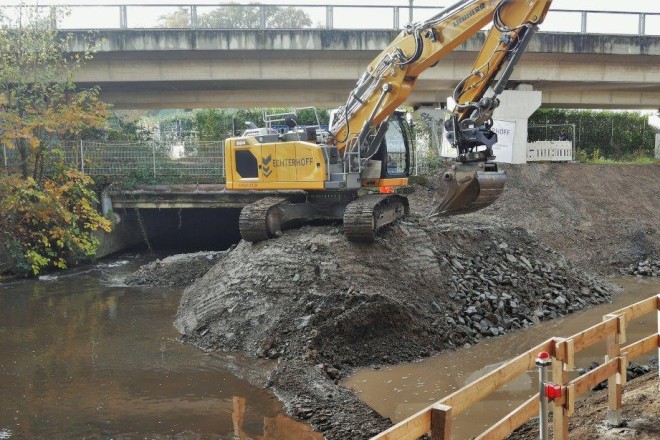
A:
(517, 106)
(657, 146)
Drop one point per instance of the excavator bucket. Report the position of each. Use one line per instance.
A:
(470, 187)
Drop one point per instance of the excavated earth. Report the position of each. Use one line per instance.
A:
(322, 306)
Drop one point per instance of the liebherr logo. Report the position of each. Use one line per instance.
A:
(473, 12)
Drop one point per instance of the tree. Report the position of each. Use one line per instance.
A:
(236, 16)
(40, 102)
(47, 212)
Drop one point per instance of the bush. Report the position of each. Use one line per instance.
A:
(49, 224)
(603, 134)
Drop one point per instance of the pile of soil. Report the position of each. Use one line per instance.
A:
(323, 305)
(175, 271)
(601, 217)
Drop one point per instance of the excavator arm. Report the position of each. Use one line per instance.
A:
(474, 181)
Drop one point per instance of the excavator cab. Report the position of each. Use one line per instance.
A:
(394, 151)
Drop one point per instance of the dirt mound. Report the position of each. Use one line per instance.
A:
(603, 217)
(176, 271)
(324, 305)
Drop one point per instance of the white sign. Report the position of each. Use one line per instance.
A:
(503, 149)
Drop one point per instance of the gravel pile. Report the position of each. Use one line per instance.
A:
(505, 288)
(176, 271)
(323, 306)
(646, 268)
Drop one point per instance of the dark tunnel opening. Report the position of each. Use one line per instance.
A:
(174, 231)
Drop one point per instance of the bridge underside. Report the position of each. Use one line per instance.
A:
(234, 69)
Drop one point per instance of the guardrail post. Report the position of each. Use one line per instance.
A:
(615, 383)
(329, 17)
(123, 17)
(193, 17)
(441, 422)
(262, 14)
(642, 24)
(395, 23)
(584, 22)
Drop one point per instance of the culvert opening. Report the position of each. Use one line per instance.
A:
(188, 230)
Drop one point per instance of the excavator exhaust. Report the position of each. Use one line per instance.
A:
(470, 187)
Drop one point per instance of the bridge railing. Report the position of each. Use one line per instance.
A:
(320, 16)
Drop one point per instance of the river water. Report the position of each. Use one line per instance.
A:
(402, 390)
(84, 357)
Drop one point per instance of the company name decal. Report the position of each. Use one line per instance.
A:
(473, 12)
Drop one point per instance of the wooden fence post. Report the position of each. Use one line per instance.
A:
(615, 383)
(441, 422)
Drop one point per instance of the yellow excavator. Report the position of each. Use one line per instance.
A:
(315, 174)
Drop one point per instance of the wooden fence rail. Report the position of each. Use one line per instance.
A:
(436, 419)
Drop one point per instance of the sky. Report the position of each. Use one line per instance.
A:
(107, 16)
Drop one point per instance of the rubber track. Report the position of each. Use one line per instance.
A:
(359, 217)
(252, 221)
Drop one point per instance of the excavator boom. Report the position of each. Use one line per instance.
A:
(390, 78)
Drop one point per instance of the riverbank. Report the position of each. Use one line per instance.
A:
(641, 413)
(323, 306)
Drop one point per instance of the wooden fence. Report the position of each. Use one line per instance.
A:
(436, 419)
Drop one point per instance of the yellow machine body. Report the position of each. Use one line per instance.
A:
(294, 165)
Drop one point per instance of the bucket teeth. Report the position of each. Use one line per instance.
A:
(470, 188)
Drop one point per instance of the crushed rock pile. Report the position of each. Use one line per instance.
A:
(646, 268)
(323, 305)
(175, 271)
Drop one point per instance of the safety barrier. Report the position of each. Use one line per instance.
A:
(258, 15)
(437, 418)
(554, 151)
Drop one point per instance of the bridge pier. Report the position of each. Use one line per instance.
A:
(517, 106)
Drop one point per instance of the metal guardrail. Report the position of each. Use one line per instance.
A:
(335, 16)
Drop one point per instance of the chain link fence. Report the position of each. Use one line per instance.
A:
(138, 163)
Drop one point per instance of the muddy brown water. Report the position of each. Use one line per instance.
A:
(400, 391)
(81, 358)
(84, 357)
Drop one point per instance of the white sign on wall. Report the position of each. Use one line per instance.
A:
(503, 149)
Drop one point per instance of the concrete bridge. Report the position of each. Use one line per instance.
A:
(192, 68)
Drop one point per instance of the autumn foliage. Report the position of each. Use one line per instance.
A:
(47, 212)
(49, 224)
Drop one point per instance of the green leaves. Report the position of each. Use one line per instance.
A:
(601, 134)
(50, 224)
(40, 102)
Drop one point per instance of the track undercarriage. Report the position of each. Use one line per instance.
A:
(362, 216)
